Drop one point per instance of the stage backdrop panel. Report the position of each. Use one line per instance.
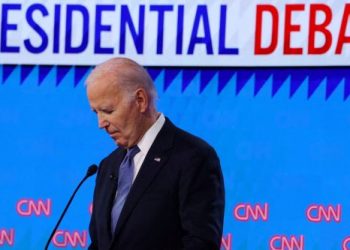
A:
(281, 136)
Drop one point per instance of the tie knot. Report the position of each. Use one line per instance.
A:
(132, 152)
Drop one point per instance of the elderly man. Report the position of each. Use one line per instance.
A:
(162, 188)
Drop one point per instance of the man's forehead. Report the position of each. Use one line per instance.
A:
(102, 83)
(102, 100)
(103, 93)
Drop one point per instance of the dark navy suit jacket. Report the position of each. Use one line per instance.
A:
(176, 201)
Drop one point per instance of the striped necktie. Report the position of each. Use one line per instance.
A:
(126, 173)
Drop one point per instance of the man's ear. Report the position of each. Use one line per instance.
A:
(142, 99)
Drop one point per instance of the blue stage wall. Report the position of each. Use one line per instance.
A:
(282, 135)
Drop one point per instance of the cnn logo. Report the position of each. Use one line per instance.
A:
(226, 242)
(246, 211)
(7, 237)
(319, 213)
(90, 208)
(346, 243)
(64, 238)
(282, 242)
(28, 207)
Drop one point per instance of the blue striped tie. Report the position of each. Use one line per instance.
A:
(126, 172)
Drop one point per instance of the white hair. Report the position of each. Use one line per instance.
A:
(127, 74)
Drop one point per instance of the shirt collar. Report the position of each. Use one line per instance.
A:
(147, 140)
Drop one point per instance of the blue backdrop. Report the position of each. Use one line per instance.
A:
(281, 134)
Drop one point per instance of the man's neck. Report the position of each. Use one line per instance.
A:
(149, 120)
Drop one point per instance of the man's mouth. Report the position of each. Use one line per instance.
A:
(113, 134)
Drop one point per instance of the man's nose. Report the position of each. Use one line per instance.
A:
(102, 121)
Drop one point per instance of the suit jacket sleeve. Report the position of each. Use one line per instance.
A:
(201, 197)
(93, 244)
(92, 227)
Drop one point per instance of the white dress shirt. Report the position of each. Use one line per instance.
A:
(146, 142)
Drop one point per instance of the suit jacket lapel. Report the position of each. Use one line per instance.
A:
(154, 161)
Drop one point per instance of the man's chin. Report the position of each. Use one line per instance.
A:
(120, 143)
